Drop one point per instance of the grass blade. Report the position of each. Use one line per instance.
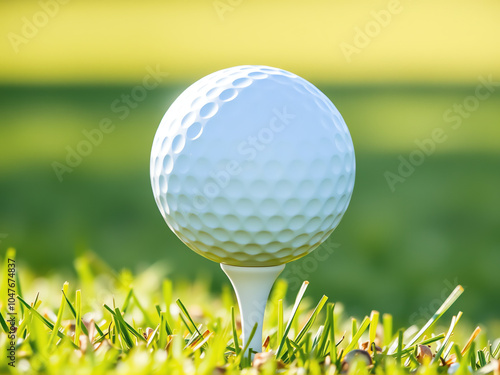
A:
(235, 333)
(3, 323)
(360, 331)
(471, 340)
(298, 299)
(78, 318)
(399, 353)
(387, 324)
(374, 316)
(45, 321)
(126, 303)
(323, 340)
(162, 337)
(454, 322)
(241, 357)
(311, 320)
(496, 351)
(73, 312)
(438, 314)
(333, 347)
(186, 314)
(280, 318)
(124, 331)
(57, 324)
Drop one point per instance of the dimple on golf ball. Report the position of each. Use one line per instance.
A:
(252, 166)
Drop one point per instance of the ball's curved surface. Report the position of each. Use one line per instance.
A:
(252, 166)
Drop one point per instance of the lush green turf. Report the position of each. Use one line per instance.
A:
(396, 252)
(120, 323)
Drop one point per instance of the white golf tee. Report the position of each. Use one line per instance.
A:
(252, 286)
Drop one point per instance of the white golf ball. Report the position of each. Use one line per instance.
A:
(252, 166)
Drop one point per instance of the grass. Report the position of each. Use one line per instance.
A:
(108, 322)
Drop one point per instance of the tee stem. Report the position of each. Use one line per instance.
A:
(252, 286)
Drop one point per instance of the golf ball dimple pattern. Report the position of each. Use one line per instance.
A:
(252, 166)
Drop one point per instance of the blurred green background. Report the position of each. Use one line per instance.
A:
(396, 70)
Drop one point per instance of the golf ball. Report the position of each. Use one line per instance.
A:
(252, 166)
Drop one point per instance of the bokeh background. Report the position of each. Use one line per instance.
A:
(400, 72)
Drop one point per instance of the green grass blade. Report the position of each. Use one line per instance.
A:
(290, 356)
(453, 324)
(323, 339)
(98, 329)
(109, 309)
(438, 314)
(280, 318)
(167, 326)
(133, 331)
(296, 349)
(73, 312)
(333, 347)
(3, 323)
(36, 313)
(458, 353)
(162, 336)
(78, 318)
(481, 358)
(496, 351)
(387, 324)
(235, 333)
(374, 316)
(472, 356)
(298, 300)
(311, 320)
(126, 303)
(399, 353)
(57, 324)
(354, 328)
(424, 342)
(45, 321)
(186, 314)
(362, 328)
(241, 357)
(123, 328)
